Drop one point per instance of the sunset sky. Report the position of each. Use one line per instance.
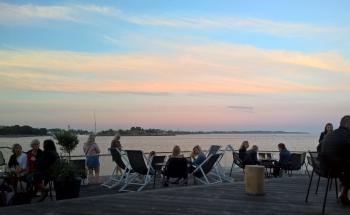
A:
(188, 65)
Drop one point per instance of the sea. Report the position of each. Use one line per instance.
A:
(164, 144)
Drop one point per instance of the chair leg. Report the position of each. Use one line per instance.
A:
(336, 188)
(318, 184)
(325, 195)
(308, 189)
(231, 168)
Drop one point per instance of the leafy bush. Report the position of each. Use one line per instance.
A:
(67, 140)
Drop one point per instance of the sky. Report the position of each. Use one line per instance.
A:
(187, 65)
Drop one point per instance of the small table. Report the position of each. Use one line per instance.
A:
(157, 167)
(269, 164)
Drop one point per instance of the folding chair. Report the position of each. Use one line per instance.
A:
(121, 162)
(143, 170)
(236, 161)
(157, 165)
(201, 171)
(330, 175)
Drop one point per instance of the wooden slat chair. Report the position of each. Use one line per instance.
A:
(330, 175)
(143, 170)
(121, 162)
(200, 173)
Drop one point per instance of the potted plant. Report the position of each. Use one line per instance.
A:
(67, 179)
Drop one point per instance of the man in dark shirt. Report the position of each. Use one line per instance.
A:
(336, 150)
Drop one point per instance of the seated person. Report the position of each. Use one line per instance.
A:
(251, 158)
(18, 164)
(243, 150)
(33, 156)
(283, 161)
(197, 156)
(176, 167)
(335, 156)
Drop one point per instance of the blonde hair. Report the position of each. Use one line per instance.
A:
(176, 151)
(197, 147)
(89, 141)
(115, 143)
(34, 142)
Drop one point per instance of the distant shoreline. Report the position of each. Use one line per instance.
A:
(162, 135)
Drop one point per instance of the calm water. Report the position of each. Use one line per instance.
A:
(268, 142)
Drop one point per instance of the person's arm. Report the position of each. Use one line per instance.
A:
(98, 151)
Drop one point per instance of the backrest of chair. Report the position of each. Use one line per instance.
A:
(137, 161)
(295, 162)
(210, 162)
(269, 156)
(158, 160)
(176, 167)
(303, 156)
(315, 163)
(213, 149)
(2, 159)
(117, 157)
(237, 160)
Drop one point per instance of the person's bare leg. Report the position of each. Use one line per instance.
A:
(90, 176)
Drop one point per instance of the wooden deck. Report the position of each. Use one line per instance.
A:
(283, 196)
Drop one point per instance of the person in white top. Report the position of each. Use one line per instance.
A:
(18, 161)
(92, 152)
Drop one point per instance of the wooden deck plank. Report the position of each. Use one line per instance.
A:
(283, 196)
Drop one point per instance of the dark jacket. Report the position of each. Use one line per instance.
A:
(336, 145)
(47, 162)
(284, 157)
(251, 158)
(242, 153)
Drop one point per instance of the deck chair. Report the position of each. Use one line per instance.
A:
(176, 168)
(157, 165)
(143, 170)
(121, 162)
(2, 159)
(295, 163)
(236, 161)
(330, 175)
(213, 149)
(201, 171)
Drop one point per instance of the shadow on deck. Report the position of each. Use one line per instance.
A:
(283, 196)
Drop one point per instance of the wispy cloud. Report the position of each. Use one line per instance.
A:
(248, 109)
(26, 13)
(222, 69)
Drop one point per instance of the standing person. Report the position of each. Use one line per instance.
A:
(197, 156)
(327, 130)
(336, 150)
(243, 150)
(33, 156)
(251, 157)
(92, 152)
(283, 160)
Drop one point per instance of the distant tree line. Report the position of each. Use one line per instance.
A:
(137, 131)
(27, 130)
(22, 130)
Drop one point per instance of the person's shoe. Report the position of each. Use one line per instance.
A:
(344, 201)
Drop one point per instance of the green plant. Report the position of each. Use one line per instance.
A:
(67, 140)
